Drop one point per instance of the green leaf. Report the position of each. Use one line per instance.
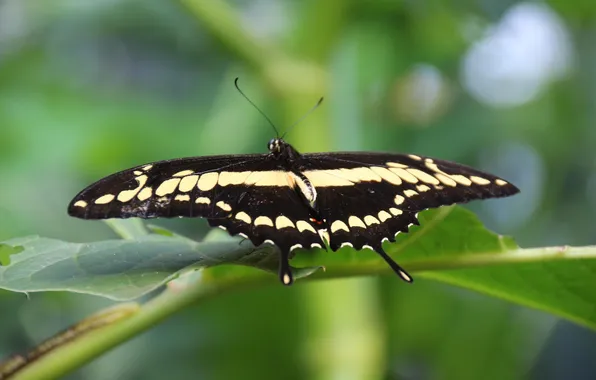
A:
(123, 269)
(451, 245)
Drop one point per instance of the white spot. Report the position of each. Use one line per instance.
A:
(263, 221)
(424, 177)
(369, 220)
(188, 183)
(203, 200)
(104, 199)
(395, 211)
(441, 175)
(362, 174)
(207, 181)
(479, 180)
(182, 198)
(446, 179)
(339, 225)
(316, 245)
(267, 178)
(346, 244)
(387, 175)
(354, 221)
(127, 195)
(405, 175)
(517, 58)
(223, 228)
(232, 178)
(367, 246)
(399, 199)
(415, 157)
(183, 173)
(500, 182)
(283, 222)
(224, 206)
(422, 188)
(147, 167)
(405, 276)
(302, 226)
(145, 194)
(327, 178)
(243, 235)
(383, 240)
(432, 166)
(269, 241)
(461, 179)
(286, 279)
(82, 204)
(243, 217)
(167, 187)
(295, 246)
(137, 172)
(384, 215)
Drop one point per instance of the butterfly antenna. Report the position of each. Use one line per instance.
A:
(254, 105)
(303, 117)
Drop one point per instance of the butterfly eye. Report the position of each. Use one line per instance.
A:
(271, 145)
(274, 145)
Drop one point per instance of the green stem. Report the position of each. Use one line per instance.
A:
(285, 76)
(72, 355)
(222, 22)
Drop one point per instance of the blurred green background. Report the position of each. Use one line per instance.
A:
(89, 88)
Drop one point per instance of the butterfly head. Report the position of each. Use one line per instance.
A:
(282, 150)
(276, 145)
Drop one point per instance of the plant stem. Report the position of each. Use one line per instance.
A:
(224, 24)
(72, 355)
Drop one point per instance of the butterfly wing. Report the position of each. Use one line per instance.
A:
(173, 188)
(366, 198)
(250, 195)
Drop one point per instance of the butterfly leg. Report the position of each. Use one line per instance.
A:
(285, 273)
(396, 268)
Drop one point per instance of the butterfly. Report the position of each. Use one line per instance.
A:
(293, 200)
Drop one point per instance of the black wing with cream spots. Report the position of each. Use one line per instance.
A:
(251, 196)
(367, 198)
(173, 188)
(275, 215)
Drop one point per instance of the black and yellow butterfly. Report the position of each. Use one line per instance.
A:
(293, 200)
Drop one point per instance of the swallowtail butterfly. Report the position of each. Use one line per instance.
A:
(293, 200)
